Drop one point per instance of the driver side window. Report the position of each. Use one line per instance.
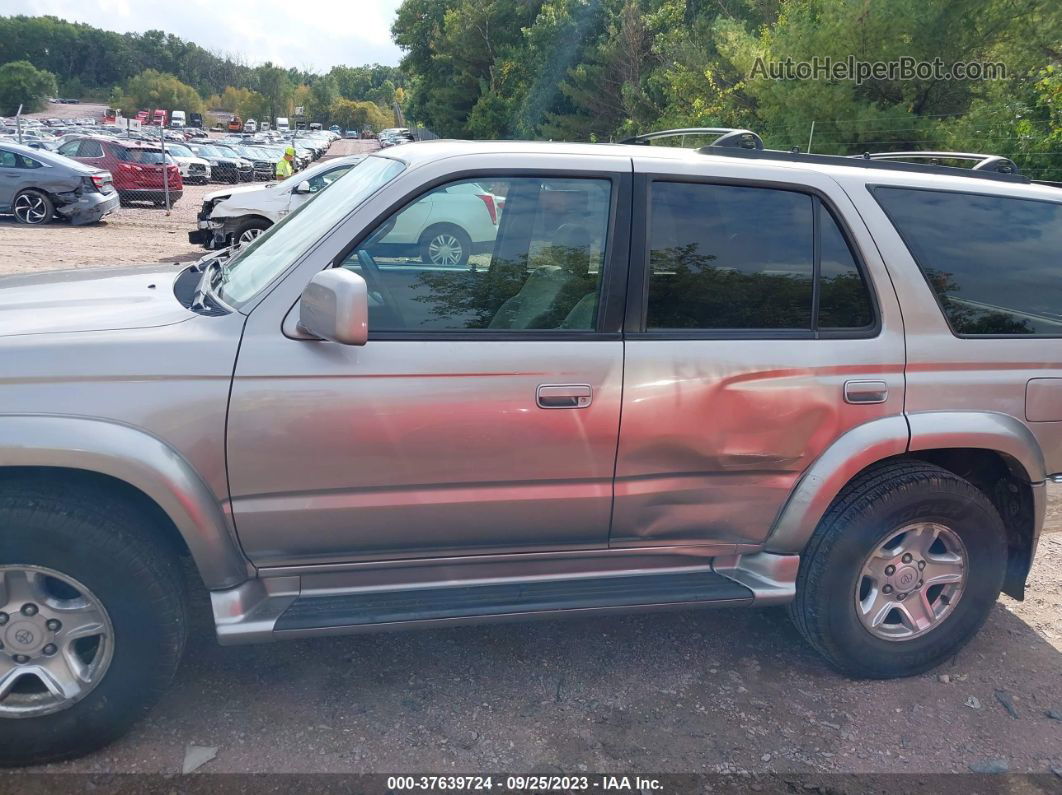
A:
(506, 254)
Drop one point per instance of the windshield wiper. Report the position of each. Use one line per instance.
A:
(213, 274)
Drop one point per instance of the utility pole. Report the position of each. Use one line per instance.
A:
(165, 167)
(811, 135)
(18, 123)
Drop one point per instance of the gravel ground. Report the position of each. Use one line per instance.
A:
(709, 691)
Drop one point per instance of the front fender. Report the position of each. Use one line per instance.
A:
(142, 461)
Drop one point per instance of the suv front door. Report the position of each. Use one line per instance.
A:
(482, 415)
(766, 327)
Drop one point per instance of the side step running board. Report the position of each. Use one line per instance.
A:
(367, 610)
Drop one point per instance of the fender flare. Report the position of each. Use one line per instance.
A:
(879, 439)
(142, 461)
(849, 455)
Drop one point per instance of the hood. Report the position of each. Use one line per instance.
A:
(91, 299)
(190, 160)
(260, 188)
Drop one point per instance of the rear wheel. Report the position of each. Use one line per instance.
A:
(92, 621)
(33, 208)
(902, 572)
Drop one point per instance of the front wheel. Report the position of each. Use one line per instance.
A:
(248, 231)
(902, 571)
(92, 620)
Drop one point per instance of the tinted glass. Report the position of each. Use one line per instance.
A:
(727, 257)
(7, 159)
(844, 301)
(506, 254)
(995, 263)
(91, 149)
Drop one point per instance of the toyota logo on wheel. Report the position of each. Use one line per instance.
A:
(24, 636)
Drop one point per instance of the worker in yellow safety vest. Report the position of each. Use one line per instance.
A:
(284, 167)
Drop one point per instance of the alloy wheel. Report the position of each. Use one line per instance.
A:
(31, 209)
(445, 249)
(56, 641)
(912, 581)
(247, 236)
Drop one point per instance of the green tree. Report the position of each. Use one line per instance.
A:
(152, 89)
(22, 84)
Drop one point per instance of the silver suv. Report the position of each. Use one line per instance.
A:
(676, 379)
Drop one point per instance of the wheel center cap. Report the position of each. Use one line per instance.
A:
(23, 637)
(906, 578)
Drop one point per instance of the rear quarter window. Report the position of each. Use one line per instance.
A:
(994, 263)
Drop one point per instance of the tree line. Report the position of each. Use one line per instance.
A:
(604, 69)
(157, 69)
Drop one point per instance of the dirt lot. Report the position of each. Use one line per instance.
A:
(712, 691)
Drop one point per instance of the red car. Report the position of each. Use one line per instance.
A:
(137, 167)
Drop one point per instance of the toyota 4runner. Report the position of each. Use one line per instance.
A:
(677, 379)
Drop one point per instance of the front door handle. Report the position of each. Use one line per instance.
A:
(564, 396)
(865, 392)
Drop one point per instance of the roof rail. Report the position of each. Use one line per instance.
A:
(725, 137)
(859, 161)
(997, 163)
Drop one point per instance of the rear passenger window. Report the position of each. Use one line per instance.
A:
(90, 149)
(994, 263)
(844, 302)
(724, 257)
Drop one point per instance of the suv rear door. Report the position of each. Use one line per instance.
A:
(761, 326)
(483, 413)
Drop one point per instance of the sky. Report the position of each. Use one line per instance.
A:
(314, 34)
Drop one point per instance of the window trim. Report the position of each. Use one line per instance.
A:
(615, 260)
(873, 188)
(638, 282)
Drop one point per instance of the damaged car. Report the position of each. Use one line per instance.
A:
(239, 215)
(37, 187)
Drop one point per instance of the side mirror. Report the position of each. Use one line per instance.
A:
(303, 187)
(335, 306)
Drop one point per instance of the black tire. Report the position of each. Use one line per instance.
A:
(105, 544)
(441, 231)
(248, 226)
(33, 208)
(876, 504)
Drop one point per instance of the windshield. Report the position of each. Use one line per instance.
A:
(267, 257)
(178, 150)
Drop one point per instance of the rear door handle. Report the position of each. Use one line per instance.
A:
(564, 396)
(865, 392)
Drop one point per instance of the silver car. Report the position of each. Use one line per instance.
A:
(677, 379)
(38, 186)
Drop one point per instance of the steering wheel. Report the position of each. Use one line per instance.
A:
(372, 271)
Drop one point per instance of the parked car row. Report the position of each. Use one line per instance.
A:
(394, 136)
(442, 230)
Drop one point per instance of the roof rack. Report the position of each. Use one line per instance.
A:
(1002, 165)
(731, 137)
(864, 161)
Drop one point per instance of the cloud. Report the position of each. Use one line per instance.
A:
(315, 35)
